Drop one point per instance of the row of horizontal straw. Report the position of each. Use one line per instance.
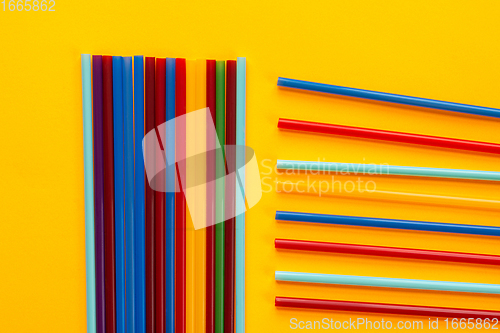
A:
(148, 269)
(317, 167)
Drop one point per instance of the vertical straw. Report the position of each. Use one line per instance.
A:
(128, 108)
(139, 192)
(99, 194)
(230, 196)
(211, 96)
(240, 194)
(150, 204)
(119, 192)
(180, 200)
(170, 200)
(160, 118)
(109, 198)
(89, 191)
(190, 174)
(200, 236)
(220, 169)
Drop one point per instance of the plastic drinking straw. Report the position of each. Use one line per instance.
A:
(240, 199)
(398, 309)
(139, 200)
(389, 223)
(220, 170)
(211, 102)
(170, 201)
(109, 197)
(372, 169)
(160, 203)
(369, 281)
(368, 133)
(230, 197)
(200, 235)
(150, 201)
(180, 200)
(190, 193)
(88, 167)
(128, 107)
(383, 251)
(119, 191)
(99, 194)
(386, 97)
(375, 194)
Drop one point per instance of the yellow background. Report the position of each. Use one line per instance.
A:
(437, 49)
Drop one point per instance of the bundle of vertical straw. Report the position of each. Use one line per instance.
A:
(148, 268)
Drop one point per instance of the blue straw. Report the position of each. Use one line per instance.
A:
(388, 223)
(119, 195)
(139, 192)
(128, 99)
(386, 97)
(170, 199)
(382, 169)
(369, 281)
(88, 172)
(240, 195)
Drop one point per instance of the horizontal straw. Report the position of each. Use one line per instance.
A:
(301, 187)
(382, 251)
(372, 169)
(387, 97)
(368, 133)
(369, 281)
(398, 309)
(388, 223)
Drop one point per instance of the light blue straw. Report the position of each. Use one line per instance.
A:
(382, 169)
(369, 281)
(88, 172)
(240, 198)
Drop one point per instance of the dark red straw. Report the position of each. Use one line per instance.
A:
(160, 203)
(97, 119)
(367, 133)
(109, 197)
(150, 201)
(398, 309)
(210, 198)
(383, 251)
(230, 197)
(180, 200)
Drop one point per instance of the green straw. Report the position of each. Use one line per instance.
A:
(220, 172)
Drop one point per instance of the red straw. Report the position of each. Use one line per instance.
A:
(230, 197)
(210, 198)
(383, 251)
(180, 200)
(399, 309)
(367, 133)
(109, 198)
(160, 203)
(150, 202)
